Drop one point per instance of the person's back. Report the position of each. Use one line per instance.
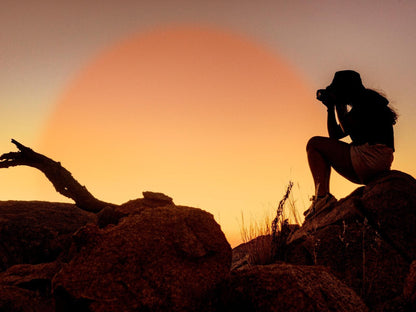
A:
(371, 120)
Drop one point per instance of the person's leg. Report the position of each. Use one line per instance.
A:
(324, 153)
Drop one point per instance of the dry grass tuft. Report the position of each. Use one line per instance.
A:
(264, 240)
(257, 239)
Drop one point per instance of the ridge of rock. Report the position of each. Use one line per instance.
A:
(147, 254)
(364, 238)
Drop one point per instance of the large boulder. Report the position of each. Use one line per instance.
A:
(35, 232)
(286, 287)
(167, 258)
(367, 239)
(147, 254)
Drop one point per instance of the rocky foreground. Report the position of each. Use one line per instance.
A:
(152, 255)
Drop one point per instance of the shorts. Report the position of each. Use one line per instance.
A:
(370, 160)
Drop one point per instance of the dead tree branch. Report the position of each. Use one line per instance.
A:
(61, 178)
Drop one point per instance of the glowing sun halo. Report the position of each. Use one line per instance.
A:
(207, 117)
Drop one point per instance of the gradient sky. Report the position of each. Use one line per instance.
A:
(51, 50)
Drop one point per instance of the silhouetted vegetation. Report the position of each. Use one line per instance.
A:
(61, 178)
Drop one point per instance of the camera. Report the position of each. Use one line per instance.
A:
(322, 95)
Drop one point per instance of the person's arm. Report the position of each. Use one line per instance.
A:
(334, 130)
(346, 119)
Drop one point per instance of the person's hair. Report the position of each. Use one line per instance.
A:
(377, 103)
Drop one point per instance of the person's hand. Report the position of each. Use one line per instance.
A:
(342, 110)
(329, 103)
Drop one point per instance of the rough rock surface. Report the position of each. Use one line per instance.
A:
(36, 232)
(366, 239)
(113, 214)
(286, 287)
(147, 254)
(17, 299)
(155, 259)
(151, 255)
(257, 251)
(27, 287)
(409, 291)
(31, 276)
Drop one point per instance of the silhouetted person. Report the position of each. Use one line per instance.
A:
(364, 115)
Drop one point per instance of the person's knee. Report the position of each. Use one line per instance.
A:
(314, 142)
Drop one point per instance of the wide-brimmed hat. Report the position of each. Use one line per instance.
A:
(347, 82)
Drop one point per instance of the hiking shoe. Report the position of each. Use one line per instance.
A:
(319, 204)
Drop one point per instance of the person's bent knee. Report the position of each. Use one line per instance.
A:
(314, 142)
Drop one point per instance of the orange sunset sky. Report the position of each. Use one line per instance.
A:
(209, 102)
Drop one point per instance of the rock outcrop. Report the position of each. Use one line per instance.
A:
(291, 288)
(146, 255)
(152, 255)
(367, 239)
(164, 258)
(37, 232)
